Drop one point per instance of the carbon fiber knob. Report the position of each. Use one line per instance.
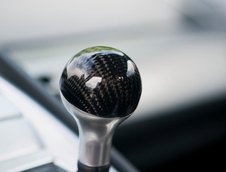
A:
(100, 87)
(102, 81)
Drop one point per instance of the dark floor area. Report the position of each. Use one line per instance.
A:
(187, 139)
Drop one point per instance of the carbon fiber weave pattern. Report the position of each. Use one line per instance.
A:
(102, 81)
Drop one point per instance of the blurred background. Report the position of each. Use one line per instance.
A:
(179, 48)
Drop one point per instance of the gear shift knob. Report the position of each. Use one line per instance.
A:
(100, 87)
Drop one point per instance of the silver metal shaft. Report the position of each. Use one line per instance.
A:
(95, 135)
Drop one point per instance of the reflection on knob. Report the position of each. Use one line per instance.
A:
(102, 81)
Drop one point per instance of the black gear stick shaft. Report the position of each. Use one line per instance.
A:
(101, 87)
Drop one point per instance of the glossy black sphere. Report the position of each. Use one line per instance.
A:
(102, 81)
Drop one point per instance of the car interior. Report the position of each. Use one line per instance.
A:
(179, 48)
